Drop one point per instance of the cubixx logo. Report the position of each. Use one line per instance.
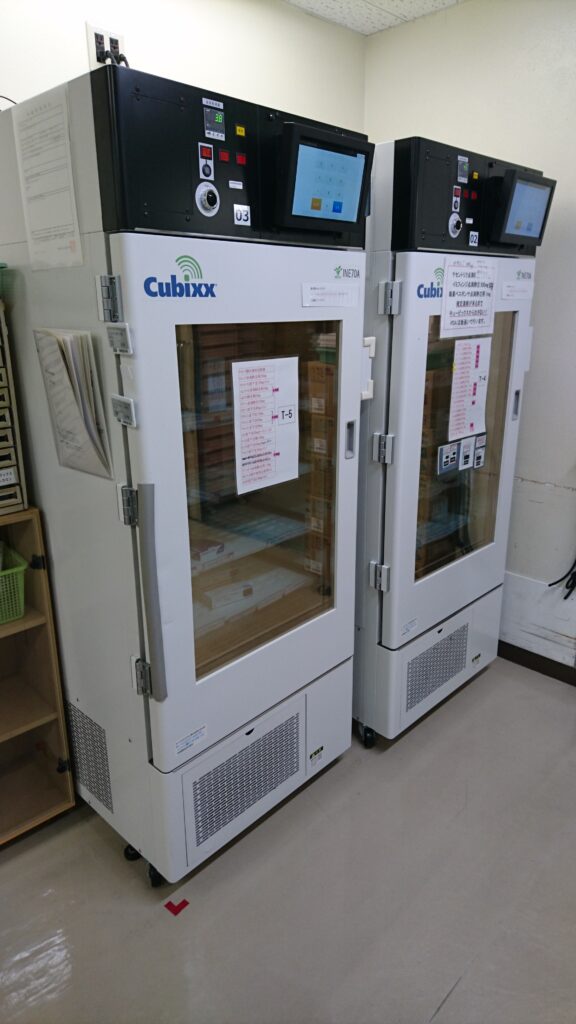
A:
(432, 290)
(190, 287)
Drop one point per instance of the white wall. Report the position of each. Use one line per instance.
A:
(499, 77)
(259, 50)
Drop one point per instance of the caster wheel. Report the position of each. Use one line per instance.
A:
(154, 877)
(367, 735)
(131, 853)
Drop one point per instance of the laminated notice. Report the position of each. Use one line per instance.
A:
(468, 296)
(469, 387)
(266, 429)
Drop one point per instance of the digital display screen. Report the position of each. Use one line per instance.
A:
(214, 123)
(328, 184)
(527, 209)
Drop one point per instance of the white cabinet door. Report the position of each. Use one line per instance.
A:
(454, 405)
(240, 367)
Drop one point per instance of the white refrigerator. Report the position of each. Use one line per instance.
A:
(202, 589)
(452, 338)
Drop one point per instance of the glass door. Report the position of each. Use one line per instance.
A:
(460, 475)
(261, 558)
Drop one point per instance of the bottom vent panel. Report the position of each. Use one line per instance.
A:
(436, 666)
(225, 792)
(90, 755)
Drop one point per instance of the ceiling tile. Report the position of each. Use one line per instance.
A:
(369, 16)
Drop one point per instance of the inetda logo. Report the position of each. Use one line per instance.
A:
(432, 290)
(191, 287)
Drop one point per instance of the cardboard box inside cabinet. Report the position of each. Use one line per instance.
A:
(319, 556)
(320, 388)
(319, 516)
(321, 436)
(321, 478)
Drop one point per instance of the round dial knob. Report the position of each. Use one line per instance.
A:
(454, 225)
(209, 199)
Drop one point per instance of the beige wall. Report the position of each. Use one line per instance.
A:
(260, 50)
(499, 77)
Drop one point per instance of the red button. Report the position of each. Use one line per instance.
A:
(466, 193)
(474, 195)
(241, 158)
(456, 191)
(224, 155)
(206, 152)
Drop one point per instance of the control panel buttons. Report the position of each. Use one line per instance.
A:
(205, 160)
(241, 131)
(224, 156)
(207, 199)
(241, 159)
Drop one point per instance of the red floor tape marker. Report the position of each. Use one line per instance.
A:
(175, 908)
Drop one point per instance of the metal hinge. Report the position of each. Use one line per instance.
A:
(129, 506)
(109, 297)
(383, 448)
(380, 576)
(389, 297)
(143, 678)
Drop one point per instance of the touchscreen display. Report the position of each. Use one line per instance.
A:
(328, 184)
(527, 210)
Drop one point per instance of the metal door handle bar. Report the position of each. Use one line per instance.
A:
(147, 530)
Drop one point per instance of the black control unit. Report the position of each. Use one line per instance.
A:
(176, 158)
(455, 200)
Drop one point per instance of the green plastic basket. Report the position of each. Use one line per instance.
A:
(12, 586)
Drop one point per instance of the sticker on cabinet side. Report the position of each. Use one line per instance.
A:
(470, 374)
(266, 427)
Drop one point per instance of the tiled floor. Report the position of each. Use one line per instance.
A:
(431, 879)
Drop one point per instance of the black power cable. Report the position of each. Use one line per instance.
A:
(570, 578)
(8, 98)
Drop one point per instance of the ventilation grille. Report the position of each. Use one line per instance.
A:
(436, 666)
(230, 789)
(90, 755)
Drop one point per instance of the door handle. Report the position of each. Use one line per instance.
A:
(147, 531)
(516, 404)
(350, 449)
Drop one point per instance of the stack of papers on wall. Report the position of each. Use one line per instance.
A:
(75, 400)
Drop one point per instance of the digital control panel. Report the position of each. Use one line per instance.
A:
(173, 157)
(445, 198)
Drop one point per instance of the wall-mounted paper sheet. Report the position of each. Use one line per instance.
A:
(74, 400)
(266, 427)
(468, 296)
(469, 387)
(45, 167)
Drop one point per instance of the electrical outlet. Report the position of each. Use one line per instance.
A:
(99, 41)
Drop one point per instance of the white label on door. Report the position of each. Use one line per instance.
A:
(335, 293)
(266, 428)
(191, 740)
(468, 296)
(516, 289)
(469, 387)
(236, 184)
(479, 457)
(466, 458)
(242, 215)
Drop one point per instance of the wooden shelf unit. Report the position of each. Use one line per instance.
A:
(35, 777)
